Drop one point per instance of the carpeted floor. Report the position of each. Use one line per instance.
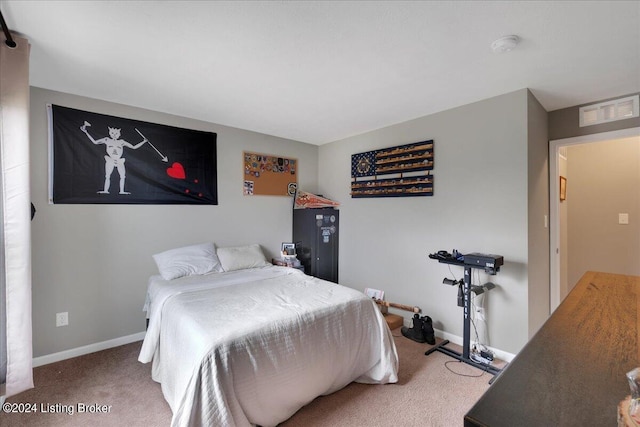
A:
(433, 390)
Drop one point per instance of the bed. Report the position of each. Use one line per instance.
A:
(252, 343)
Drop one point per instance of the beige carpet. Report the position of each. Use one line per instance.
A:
(428, 393)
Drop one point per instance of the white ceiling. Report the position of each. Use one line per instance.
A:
(320, 71)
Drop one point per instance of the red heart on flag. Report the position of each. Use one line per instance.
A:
(176, 171)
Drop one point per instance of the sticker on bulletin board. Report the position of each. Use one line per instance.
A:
(270, 175)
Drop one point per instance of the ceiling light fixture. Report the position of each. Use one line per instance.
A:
(504, 44)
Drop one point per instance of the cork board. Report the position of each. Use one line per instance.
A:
(266, 174)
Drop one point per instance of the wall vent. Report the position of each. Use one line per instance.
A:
(609, 111)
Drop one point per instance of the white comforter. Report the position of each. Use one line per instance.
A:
(254, 346)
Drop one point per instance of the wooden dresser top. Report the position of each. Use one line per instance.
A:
(572, 372)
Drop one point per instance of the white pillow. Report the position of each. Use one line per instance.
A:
(240, 257)
(187, 261)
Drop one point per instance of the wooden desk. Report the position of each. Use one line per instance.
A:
(572, 372)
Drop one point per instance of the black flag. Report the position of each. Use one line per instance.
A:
(105, 159)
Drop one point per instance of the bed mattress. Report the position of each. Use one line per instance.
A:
(253, 346)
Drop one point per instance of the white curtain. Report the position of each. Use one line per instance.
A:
(15, 212)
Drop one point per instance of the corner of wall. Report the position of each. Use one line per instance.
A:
(538, 213)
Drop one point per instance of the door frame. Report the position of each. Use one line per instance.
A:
(555, 298)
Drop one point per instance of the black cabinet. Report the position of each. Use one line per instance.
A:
(315, 233)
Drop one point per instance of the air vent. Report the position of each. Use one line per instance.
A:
(609, 111)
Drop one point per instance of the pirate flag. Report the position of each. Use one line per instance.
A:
(100, 159)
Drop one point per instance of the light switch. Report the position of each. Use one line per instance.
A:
(623, 218)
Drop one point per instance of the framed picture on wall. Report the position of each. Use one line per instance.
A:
(288, 249)
(563, 188)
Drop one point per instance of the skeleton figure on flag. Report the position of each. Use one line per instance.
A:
(113, 159)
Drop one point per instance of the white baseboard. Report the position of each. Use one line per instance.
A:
(502, 355)
(91, 348)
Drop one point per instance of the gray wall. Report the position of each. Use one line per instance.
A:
(480, 203)
(538, 209)
(491, 195)
(565, 123)
(602, 181)
(93, 261)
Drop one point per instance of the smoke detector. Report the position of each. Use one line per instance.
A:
(504, 44)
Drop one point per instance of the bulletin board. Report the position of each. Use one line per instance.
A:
(266, 174)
